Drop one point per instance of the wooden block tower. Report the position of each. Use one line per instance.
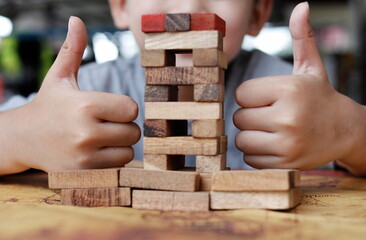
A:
(165, 129)
(162, 183)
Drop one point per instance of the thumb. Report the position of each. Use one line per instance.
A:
(67, 63)
(306, 55)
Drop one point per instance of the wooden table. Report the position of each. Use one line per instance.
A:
(333, 207)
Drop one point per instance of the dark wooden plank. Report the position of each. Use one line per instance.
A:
(165, 128)
(177, 22)
(161, 93)
(209, 92)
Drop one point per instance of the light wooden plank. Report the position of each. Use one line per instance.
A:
(208, 128)
(135, 164)
(183, 110)
(159, 180)
(157, 58)
(254, 180)
(184, 40)
(184, 146)
(211, 163)
(259, 200)
(163, 162)
(96, 197)
(170, 201)
(94, 178)
(209, 58)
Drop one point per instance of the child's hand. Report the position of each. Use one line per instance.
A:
(299, 121)
(65, 128)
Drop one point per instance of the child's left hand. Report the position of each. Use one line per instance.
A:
(299, 120)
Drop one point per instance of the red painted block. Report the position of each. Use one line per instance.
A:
(207, 21)
(153, 23)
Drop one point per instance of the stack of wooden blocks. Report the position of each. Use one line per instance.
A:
(163, 182)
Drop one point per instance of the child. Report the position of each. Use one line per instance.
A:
(65, 128)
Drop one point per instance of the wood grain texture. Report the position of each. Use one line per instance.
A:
(183, 110)
(211, 163)
(170, 201)
(161, 93)
(209, 58)
(151, 23)
(209, 128)
(163, 162)
(95, 178)
(259, 200)
(205, 181)
(207, 21)
(135, 164)
(96, 197)
(177, 22)
(184, 76)
(165, 128)
(209, 93)
(255, 180)
(184, 40)
(184, 146)
(159, 180)
(157, 58)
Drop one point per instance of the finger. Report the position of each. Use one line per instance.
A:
(111, 107)
(255, 119)
(68, 61)
(118, 135)
(306, 55)
(110, 157)
(258, 143)
(263, 161)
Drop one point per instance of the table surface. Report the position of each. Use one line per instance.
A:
(333, 207)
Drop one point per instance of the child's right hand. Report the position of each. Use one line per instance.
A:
(65, 128)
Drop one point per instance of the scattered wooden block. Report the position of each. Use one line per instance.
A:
(209, 58)
(135, 164)
(209, 93)
(184, 40)
(183, 110)
(161, 93)
(153, 23)
(165, 128)
(184, 76)
(209, 128)
(177, 22)
(157, 58)
(255, 180)
(211, 163)
(163, 162)
(184, 146)
(170, 201)
(96, 197)
(96, 178)
(159, 180)
(207, 21)
(261, 200)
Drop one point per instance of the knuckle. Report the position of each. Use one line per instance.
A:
(85, 137)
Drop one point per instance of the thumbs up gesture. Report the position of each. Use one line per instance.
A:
(299, 121)
(65, 128)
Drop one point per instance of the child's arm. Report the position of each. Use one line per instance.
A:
(65, 128)
(300, 121)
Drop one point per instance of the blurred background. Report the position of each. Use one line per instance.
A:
(32, 31)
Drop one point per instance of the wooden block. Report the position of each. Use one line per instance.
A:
(207, 21)
(135, 164)
(159, 180)
(95, 178)
(96, 197)
(183, 110)
(153, 23)
(161, 93)
(184, 76)
(165, 128)
(223, 144)
(183, 146)
(163, 162)
(209, 58)
(177, 22)
(205, 182)
(208, 128)
(209, 93)
(157, 58)
(184, 40)
(211, 163)
(261, 200)
(170, 201)
(254, 180)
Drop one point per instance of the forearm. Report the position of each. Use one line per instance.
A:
(10, 143)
